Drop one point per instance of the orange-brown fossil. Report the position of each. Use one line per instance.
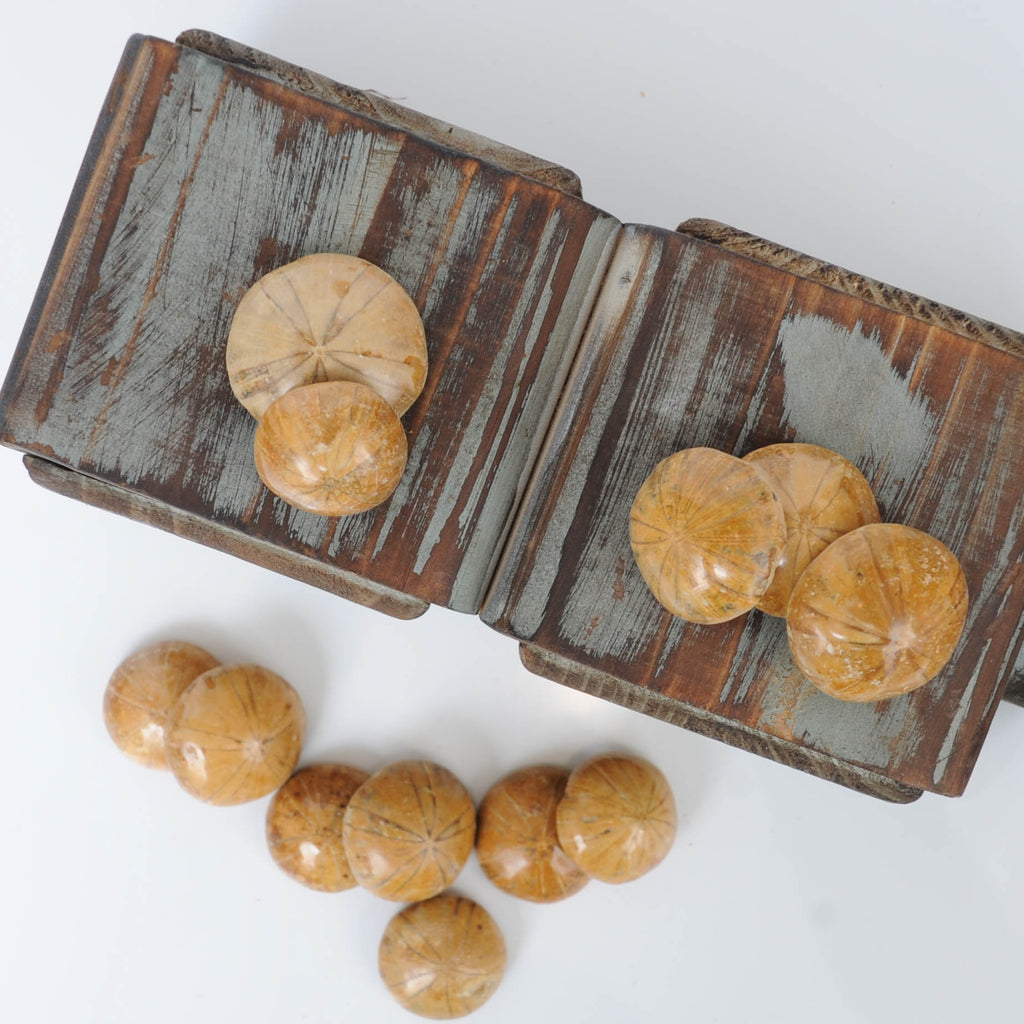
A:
(706, 531)
(304, 826)
(878, 613)
(235, 734)
(142, 691)
(517, 841)
(334, 449)
(823, 496)
(442, 958)
(408, 830)
(617, 818)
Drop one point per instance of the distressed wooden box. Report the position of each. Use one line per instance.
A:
(569, 353)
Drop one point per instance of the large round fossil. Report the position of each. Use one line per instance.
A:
(706, 531)
(617, 818)
(304, 826)
(823, 496)
(141, 692)
(517, 841)
(408, 830)
(326, 317)
(334, 449)
(235, 734)
(878, 613)
(442, 958)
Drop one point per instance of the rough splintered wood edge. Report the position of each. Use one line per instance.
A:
(382, 109)
(154, 513)
(638, 698)
(857, 286)
(895, 300)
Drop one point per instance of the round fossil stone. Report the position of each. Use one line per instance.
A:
(235, 734)
(617, 818)
(878, 613)
(823, 496)
(408, 830)
(334, 449)
(304, 826)
(326, 317)
(141, 692)
(706, 531)
(517, 841)
(442, 958)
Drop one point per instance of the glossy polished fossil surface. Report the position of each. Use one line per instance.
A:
(442, 958)
(142, 691)
(517, 840)
(326, 317)
(304, 826)
(333, 449)
(878, 613)
(706, 531)
(408, 830)
(617, 818)
(235, 734)
(823, 496)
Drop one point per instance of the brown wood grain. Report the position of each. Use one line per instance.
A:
(691, 345)
(212, 164)
(204, 176)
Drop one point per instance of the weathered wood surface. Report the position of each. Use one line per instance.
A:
(142, 509)
(898, 300)
(204, 176)
(373, 105)
(888, 296)
(209, 168)
(650, 702)
(692, 345)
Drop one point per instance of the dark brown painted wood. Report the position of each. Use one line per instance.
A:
(212, 163)
(212, 535)
(205, 175)
(693, 345)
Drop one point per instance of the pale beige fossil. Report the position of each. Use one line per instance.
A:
(326, 317)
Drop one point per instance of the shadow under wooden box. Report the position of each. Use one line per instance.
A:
(569, 354)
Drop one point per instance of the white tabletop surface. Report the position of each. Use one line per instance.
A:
(883, 136)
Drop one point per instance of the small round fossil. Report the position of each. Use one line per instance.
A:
(408, 830)
(304, 825)
(823, 496)
(326, 317)
(141, 692)
(334, 449)
(617, 819)
(878, 613)
(442, 958)
(706, 531)
(516, 839)
(235, 734)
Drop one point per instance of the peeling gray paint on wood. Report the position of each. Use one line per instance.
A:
(229, 175)
(859, 407)
(204, 176)
(710, 349)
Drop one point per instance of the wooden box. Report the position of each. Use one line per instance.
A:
(569, 354)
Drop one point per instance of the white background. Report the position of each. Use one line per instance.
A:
(885, 137)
